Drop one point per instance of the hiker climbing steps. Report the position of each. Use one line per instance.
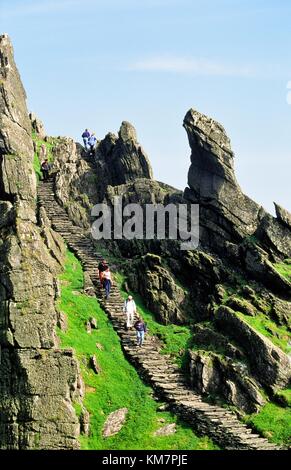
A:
(156, 368)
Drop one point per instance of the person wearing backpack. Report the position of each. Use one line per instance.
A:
(141, 329)
(102, 266)
(130, 310)
(85, 136)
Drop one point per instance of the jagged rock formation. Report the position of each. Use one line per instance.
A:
(76, 184)
(37, 126)
(268, 363)
(226, 214)
(37, 380)
(121, 159)
(156, 285)
(218, 376)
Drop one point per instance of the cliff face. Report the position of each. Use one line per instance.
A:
(37, 380)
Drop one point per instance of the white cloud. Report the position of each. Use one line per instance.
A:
(191, 65)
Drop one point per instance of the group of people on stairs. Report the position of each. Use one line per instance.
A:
(90, 141)
(133, 320)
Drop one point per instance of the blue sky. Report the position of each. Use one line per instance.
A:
(94, 63)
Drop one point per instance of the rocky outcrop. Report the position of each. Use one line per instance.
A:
(156, 285)
(38, 382)
(76, 183)
(211, 177)
(37, 126)
(221, 377)
(268, 363)
(226, 214)
(283, 215)
(115, 422)
(121, 159)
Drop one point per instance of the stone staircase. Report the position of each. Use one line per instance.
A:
(156, 369)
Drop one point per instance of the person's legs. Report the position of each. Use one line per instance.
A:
(138, 337)
(128, 319)
(141, 337)
(131, 318)
(85, 140)
(108, 288)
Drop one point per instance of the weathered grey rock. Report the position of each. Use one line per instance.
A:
(241, 305)
(37, 381)
(94, 365)
(257, 265)
(281, 311)
(37, 126)
(167, 430)
(162, 295)
(268, 363)
(17, 177)
(283, 215)
(208, 338)
(52, 240)
(274, 236)
(88, 327)
(227, 216)
(211, 176)
(76, 184)
(85, 422)
(89, 288)
(219, 376)
(62, 321)
(114, 422)
(121, 160)
(93, 323)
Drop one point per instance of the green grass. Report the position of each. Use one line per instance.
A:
(286, 394)
(118, 385)
(279, 335)
(274, 422)
(36, 166)
(176, 339)
(284, 269)
(36, 161)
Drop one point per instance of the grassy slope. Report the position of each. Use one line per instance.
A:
(118, 385)
(274, 422)
(284, 268)
(279, 335)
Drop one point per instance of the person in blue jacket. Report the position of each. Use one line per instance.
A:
(92, 141)
(141, 329)
(86, 135)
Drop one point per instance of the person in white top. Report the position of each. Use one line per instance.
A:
(130, 310)
(107, 282)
